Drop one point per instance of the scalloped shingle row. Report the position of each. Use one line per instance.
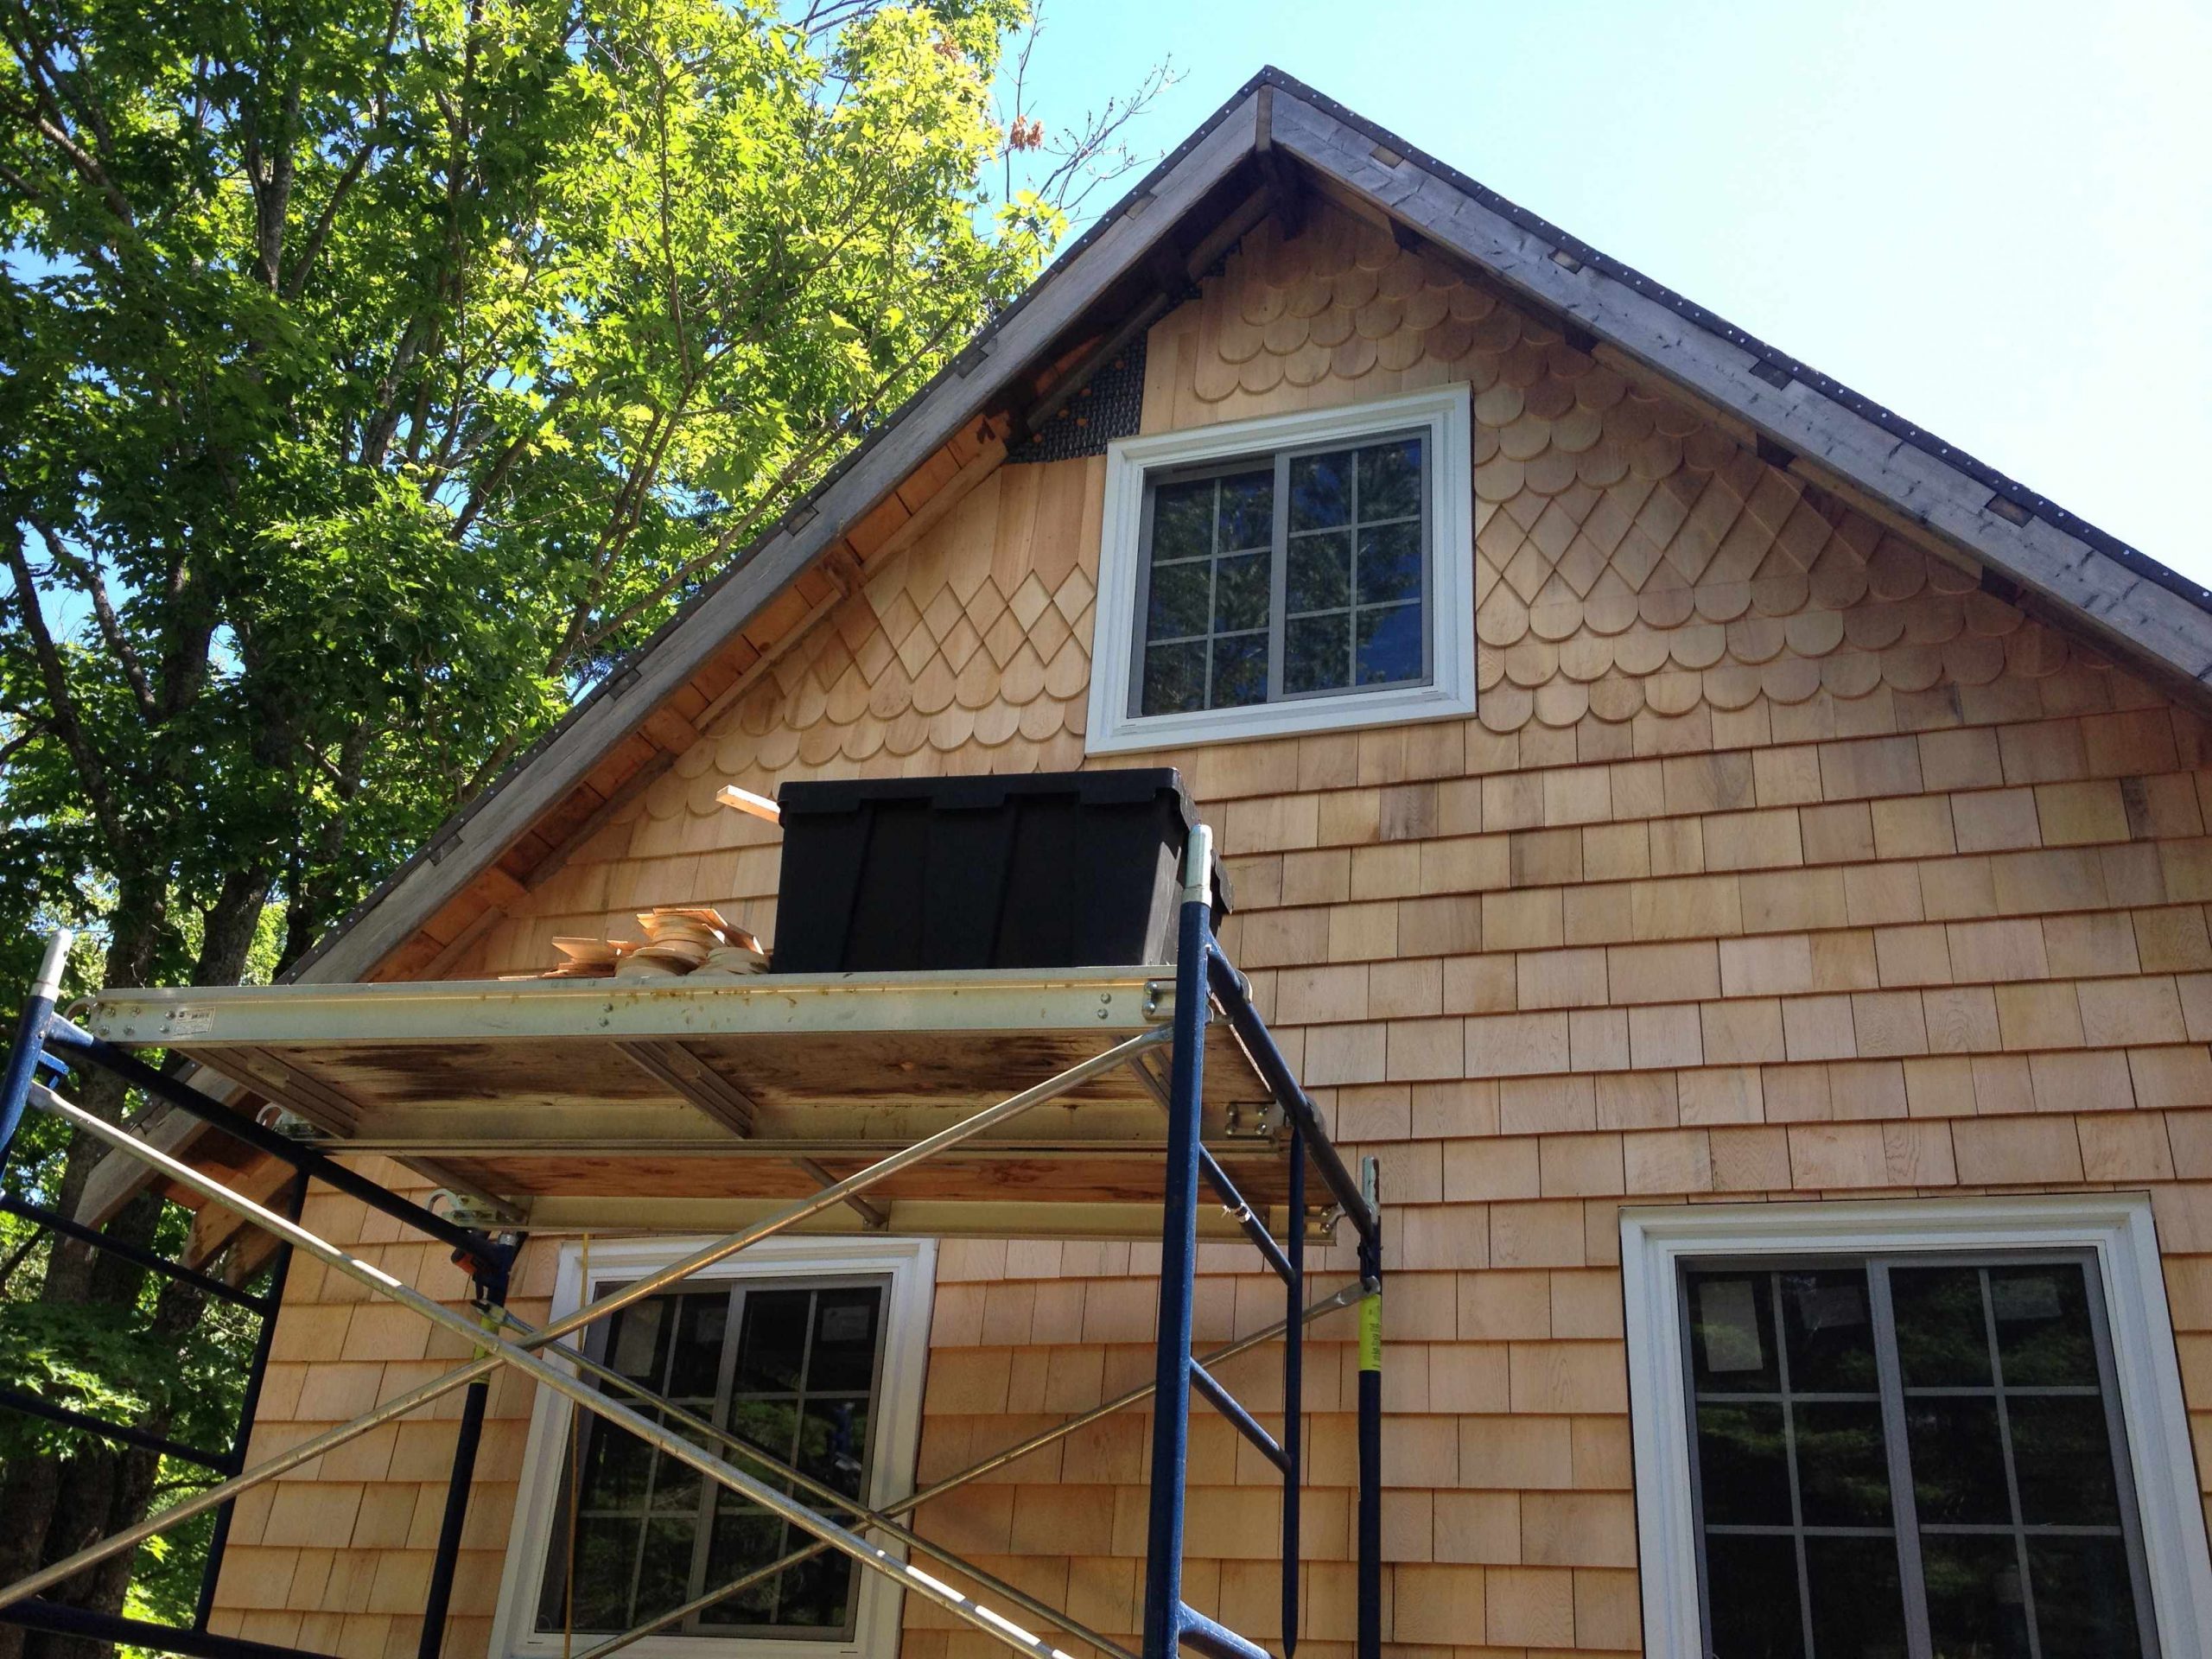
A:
(1634, 563)
(1631, 554)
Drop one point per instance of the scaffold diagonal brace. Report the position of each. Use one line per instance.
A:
(1347, 1297)
(548, 1375)
(520, 1357)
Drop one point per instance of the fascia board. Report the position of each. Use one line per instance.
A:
(924, 425)
(2147, 621)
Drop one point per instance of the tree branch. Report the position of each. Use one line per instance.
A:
(80, 159)
(62, 704)
(797, 467)
(87, 577)
(17, 1256)
(63, 84)
(481, 492)
(32, 730)
(46, 116)
(371, 142)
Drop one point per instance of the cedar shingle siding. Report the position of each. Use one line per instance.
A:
(1780, 861)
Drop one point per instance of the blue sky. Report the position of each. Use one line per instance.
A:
(1995, 218)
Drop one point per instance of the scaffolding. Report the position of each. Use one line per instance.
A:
(351, 1062)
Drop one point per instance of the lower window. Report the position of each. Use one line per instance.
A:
(1898, 1455)
(811, 1354)
(1933, 1428)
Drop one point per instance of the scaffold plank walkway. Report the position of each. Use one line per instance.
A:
(688, 1103)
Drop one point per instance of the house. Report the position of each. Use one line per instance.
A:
(1737, 862)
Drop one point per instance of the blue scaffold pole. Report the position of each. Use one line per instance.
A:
(1171, 1406)
(1369, 1644)
(30, 1035)
(1294, 1390)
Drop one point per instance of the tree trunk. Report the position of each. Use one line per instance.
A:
(29, 1487)
(233, 920)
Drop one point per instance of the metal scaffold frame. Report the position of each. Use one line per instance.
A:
(1205, 981)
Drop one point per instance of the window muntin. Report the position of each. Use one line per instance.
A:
(792, 1367)
(1911, 1456)
(1270, 578)
(1208, 593)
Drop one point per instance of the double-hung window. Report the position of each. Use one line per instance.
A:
(1289, 574)
(1869, 1440)
(814, 1362)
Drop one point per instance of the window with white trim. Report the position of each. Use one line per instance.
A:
(812, 1352)
(1929, 1443)
(1294, 573)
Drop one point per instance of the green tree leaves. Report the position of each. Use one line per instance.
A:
(378, 373)
(373, 375)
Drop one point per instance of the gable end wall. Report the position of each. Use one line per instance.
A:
(1780, 862)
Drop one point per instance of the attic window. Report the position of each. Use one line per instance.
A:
(1295, 572)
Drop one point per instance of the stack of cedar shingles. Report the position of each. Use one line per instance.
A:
(679, 939)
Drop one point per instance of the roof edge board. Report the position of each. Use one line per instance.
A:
(2143, 617)
(462, 851)
(1773, 360)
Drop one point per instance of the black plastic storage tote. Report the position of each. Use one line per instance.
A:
(1062, 869)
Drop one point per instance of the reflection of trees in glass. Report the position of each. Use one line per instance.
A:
(790, 1369)
(1350, 562)
(2014, 1507)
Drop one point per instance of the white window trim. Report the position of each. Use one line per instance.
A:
(910, 1264)
(1448, 414)
(2117, 1226)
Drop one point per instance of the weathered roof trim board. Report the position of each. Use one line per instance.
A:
(1776, 367)
(1930, 484)
(924, 425)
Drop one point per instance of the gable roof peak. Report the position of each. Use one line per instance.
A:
(1273, 139)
